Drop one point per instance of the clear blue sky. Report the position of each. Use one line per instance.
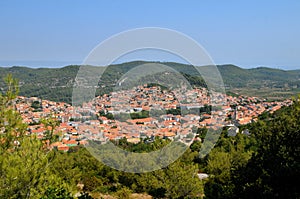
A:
(58, 32)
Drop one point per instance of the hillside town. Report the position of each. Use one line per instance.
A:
(141, 114)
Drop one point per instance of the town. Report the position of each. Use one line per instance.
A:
(141, 114)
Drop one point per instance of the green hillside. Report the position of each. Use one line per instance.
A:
(56, 83)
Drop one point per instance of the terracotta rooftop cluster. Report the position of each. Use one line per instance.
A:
(109, 117)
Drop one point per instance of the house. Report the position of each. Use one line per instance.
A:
(63, 147)
(232, 131)
(246, 132)
(169, 135)
(104, 120)
(133, 140)
(70, 142)
(202, 176)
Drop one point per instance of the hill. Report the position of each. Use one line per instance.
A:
(56, 83)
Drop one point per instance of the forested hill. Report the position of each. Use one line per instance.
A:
(56, 83)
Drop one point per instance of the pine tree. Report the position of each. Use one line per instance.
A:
(24, 161)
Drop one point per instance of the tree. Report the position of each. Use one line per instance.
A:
(230, 154)
(57, 193)
(50, 124)
(123, 193)
(11, 124)
(273, 172)
(181, 181)
(24, 161)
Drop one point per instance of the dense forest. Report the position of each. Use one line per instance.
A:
(261, 164)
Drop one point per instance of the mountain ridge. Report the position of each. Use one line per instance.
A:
(57, 83)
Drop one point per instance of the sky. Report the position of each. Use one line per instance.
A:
(54, 33)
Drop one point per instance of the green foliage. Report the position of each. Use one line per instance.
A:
(181, 181)
(263, 165)
(146, 145)
(25, 170)
(123, 116)
(230, 154)
(123, 193)
(36, 105)
(85, 196)
(274, 169)
(24, 161)
(176, 111)
(11, 124)
(139, 115)
(202, 132)
(56, 193)
(50, 123)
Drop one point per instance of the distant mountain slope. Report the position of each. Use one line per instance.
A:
(56, 83)
(235, 77)
(48, 83)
